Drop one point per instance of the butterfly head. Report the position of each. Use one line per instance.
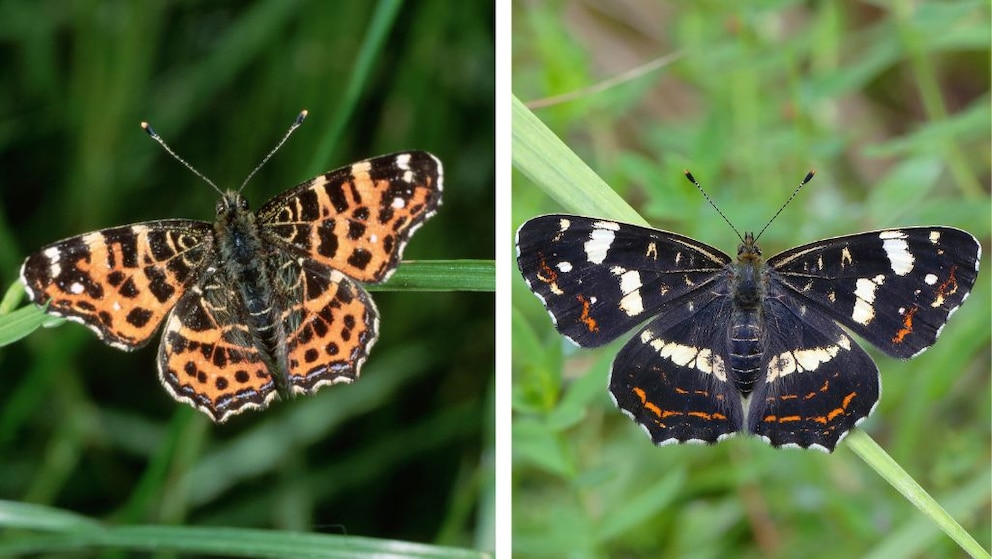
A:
(233, 203)
(748, 251)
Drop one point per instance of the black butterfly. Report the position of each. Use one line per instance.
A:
(747, 344)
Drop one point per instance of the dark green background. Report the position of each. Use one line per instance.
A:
(890, 103)
(406, 452)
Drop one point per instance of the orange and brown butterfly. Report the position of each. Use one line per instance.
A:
(255, 305)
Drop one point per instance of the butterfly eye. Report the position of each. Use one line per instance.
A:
(242, 203)
(219, 208)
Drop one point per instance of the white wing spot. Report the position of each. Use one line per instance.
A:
(403, 161)
(701, 359)
(565, 267)
(398, 203)
(845, 257)
(935, 237)
(610, 225)
(599, 241)
(563, 225)
(864, 311)
(930, 279)
(804, 360)
(95, 239)
(630, 285)
(361, 170)
(630, 281)
(53, 255)
(632, 304)
(76, 288)
(897, 250)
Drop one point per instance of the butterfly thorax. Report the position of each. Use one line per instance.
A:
(748, 287)
(241, 249)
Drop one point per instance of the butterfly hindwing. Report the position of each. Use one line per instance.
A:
(816, 383)
(672, 377)
(599, 278)
(331, 329)
(209, 358)
(895, 288)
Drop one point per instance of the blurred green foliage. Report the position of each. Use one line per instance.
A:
(891, 105)
(406, 452)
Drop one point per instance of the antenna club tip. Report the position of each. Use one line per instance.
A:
(302, 116)
(147, 128)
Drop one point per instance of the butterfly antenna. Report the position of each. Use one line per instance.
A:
(809, 177)
(692, 179)
(296, 124)
(151, 132)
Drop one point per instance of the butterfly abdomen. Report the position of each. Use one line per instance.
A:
(746, 349)
(748, 290)
(241, 246)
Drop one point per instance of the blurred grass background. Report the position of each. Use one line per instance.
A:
(406, 453)
(890, 103)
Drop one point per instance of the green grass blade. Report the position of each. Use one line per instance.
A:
(442, 275)
(550, 164)
(46, 519)
(917, 534)
(23, 321)
(11, 298)
(69, 532)
(868, 450)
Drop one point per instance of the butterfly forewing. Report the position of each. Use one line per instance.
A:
(357, 219)
(895, 288)
(121, 281)
(599, 278)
